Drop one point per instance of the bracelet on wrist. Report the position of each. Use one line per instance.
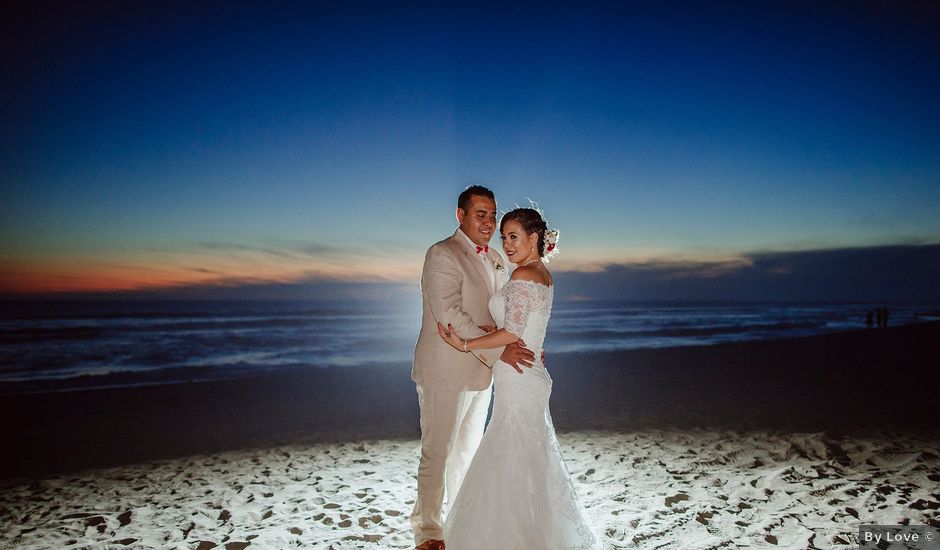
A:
(465, 350)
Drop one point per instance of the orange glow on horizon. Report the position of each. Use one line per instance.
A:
(61, 275)
(130, 272)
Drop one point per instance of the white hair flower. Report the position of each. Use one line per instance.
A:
(550, 244)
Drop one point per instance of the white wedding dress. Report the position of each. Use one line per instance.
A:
(517, 493)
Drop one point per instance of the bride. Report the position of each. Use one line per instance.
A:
(517, 493)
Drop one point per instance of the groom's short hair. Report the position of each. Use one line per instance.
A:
(463, 201)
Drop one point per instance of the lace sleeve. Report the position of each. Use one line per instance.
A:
(518, 305)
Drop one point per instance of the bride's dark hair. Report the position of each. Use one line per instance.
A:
(531, 222)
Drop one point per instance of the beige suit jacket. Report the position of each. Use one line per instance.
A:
(455, 289)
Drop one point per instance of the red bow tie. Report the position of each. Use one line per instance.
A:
(484, 248)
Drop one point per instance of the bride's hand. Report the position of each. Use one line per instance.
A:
(450, 336)
(487, 328)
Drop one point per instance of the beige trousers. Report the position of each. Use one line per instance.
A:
(452, 425)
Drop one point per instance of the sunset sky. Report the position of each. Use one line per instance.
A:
(164, 145)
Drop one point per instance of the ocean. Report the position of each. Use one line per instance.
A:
(60, 346)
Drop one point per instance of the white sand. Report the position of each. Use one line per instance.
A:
(652, 489)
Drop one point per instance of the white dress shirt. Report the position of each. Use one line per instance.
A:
(484, 257)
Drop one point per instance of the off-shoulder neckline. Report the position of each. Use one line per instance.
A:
(551, 286)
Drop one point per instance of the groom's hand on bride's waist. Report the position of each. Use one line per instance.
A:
(518, 356)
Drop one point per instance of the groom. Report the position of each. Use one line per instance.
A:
(460, 275)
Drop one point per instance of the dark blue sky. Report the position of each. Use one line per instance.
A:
(155, 144)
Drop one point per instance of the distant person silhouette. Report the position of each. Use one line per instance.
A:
(880, 317)
(869, 322)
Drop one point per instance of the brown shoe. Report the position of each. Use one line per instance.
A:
(431, 544)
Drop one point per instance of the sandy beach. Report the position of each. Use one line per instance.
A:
(787, 444)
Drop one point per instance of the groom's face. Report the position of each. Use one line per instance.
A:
(479, 221)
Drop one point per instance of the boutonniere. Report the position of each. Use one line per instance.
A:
(497, 265)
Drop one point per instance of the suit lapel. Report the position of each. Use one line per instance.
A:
(500, 274)
(481, 269)
(475, 261)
